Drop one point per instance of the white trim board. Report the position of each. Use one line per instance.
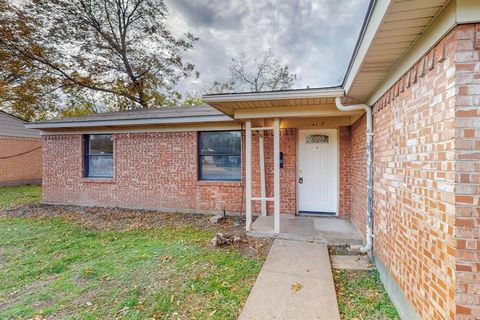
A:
(217, 127)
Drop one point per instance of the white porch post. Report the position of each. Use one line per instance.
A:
(276, 174)
(248, 175)
(261, 155)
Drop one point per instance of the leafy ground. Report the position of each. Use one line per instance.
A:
(361, 296)
(15, 196)
(90, 263)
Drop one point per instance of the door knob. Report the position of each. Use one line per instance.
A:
(300, 180)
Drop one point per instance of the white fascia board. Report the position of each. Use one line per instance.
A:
(468, 11)
(442, 24)
(381, 8)
(128, 122)
(280, 95)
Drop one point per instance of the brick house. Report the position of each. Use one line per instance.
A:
(396, 148)
(20, 152)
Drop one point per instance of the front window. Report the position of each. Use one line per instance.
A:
(219, 155)
(99, 155)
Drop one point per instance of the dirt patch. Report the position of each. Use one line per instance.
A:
(13, 296)
(119, 219)
(254, 247)
(343, 250)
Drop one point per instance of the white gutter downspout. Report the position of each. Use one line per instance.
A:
(369, 132)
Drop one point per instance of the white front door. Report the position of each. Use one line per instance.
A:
(317, 171)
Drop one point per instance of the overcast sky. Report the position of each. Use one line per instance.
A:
(315, 38)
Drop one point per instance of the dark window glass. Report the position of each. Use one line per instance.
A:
(218, 143)
(220, 155)
(100, 144)
(99, 155)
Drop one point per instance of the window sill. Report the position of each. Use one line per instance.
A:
(219, 183)
(97, 180)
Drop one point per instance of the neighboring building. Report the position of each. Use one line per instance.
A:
(20, 152)
(416, 64)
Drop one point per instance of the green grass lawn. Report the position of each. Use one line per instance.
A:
(361, 295)
(90, 263)
(52, 267)
(21, 195)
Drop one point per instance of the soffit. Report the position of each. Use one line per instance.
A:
(403, 23)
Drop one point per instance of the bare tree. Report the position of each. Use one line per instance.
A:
(120, 48)
(260, 74)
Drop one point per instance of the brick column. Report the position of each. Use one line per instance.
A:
(467, 157)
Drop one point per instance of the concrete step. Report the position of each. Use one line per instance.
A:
(330, 231)
(327, 240)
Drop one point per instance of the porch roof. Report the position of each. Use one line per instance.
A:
(314, 102)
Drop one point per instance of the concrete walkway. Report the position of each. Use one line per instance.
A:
(295, 283)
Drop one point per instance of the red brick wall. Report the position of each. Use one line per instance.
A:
(288, 145)
(157, 171)
(467, 177)
(414, 182)
(358, 174)
(345, 161)
(21, 168)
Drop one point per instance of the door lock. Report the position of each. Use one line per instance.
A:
(300, 180)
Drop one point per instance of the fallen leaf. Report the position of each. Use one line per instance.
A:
(87, 271)
(296, 287)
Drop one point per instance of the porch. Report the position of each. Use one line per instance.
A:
(326, 230)
(289, 174)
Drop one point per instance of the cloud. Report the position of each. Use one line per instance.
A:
(314, 38)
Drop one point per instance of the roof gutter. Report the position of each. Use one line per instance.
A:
(12, 116)
(369, 146)
(127, 122)
(275, 95)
